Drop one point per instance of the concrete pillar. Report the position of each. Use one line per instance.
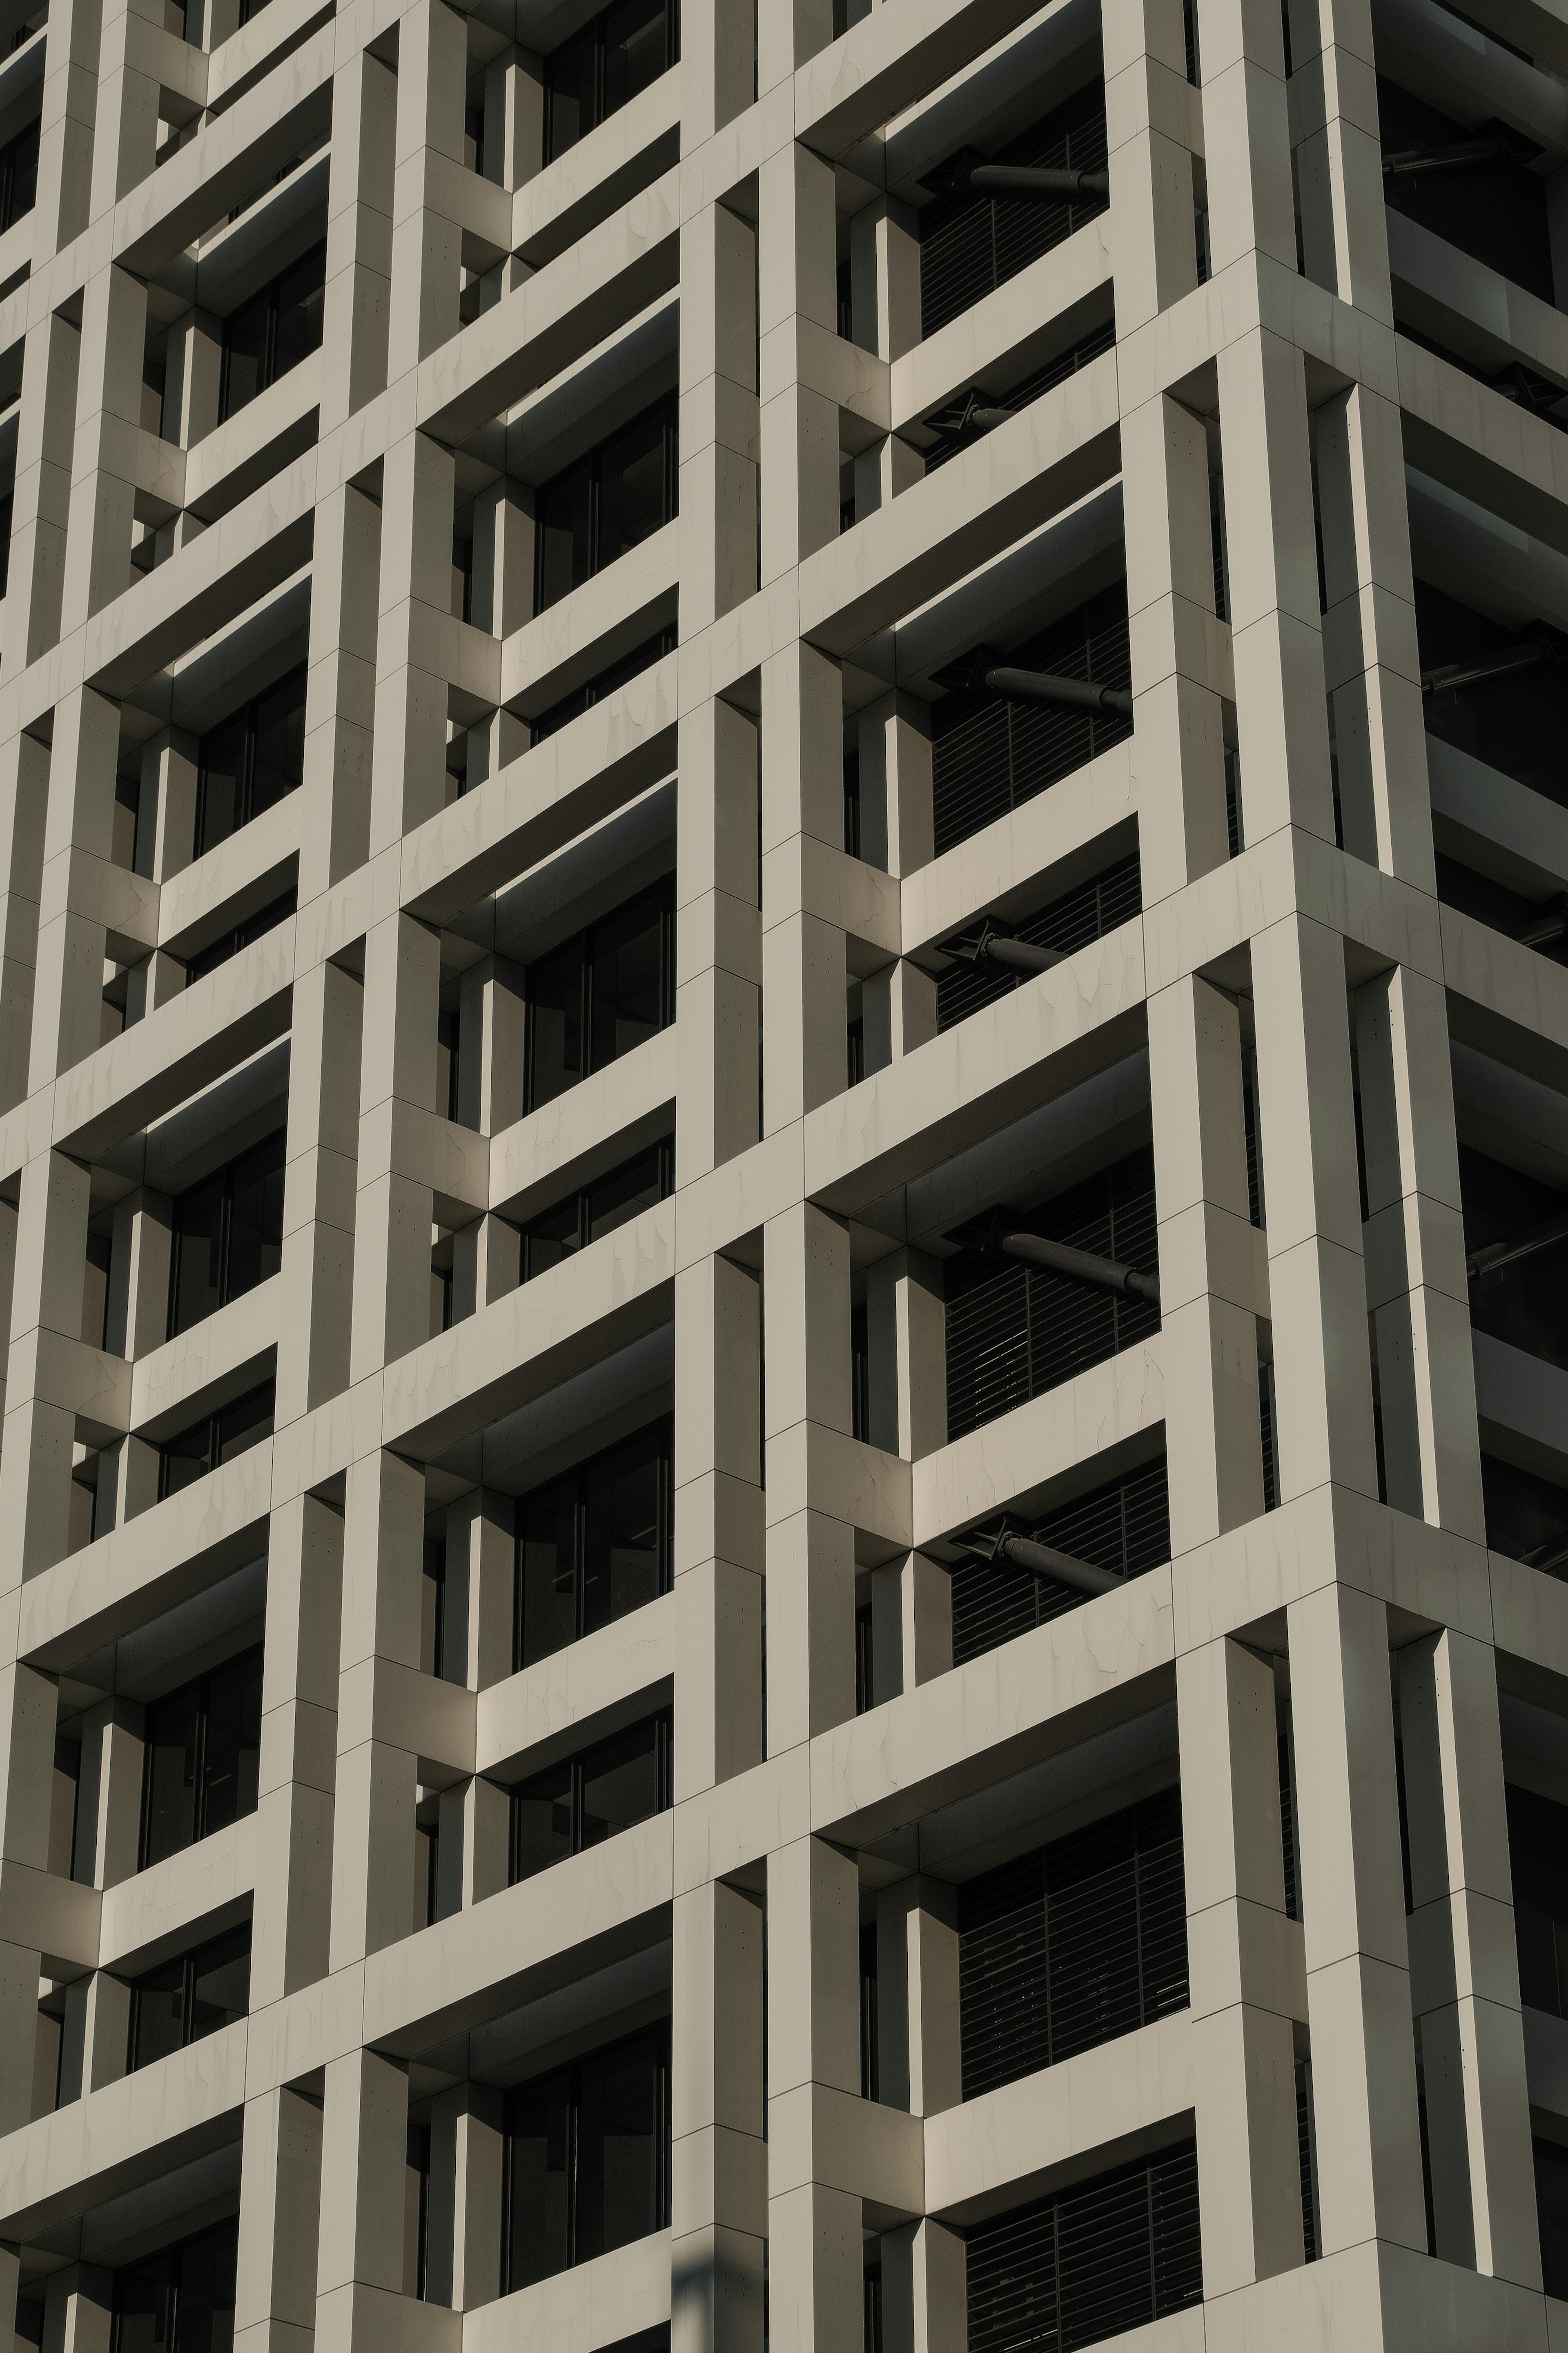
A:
(299, 1749)
(466, 2197)
(373, 1847)
(798, 281)
(364, 2151)
(719, 973)
(1151, 231)
(804, 960)
(719, 414)
(810, 1552)
(815, 2268)
(393, 1211)
(24, 803)
(480, 1573)
(920, 2055)
(279, 2210)
(314, 1329)
(719, 1525)
(720, 2157)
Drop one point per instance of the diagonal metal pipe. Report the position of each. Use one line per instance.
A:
(992, 947)
(1016, 1551)
(1080, 1266)
(1526, 1243)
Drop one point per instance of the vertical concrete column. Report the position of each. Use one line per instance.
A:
(480, 1573)
(126, 138)
(1338, 154)
(1208, 1329)
(1464, 1977)
(340, 690)
(427, 244)
(1151, 112)
(805, 961)
(24, 809)
(408, 768)
(466, 2198)
(717, 69)
(893, 746)
(41, 500)
(1178, 744)
(108, 426)
(1414, 1244)
(1322, 1372)
(786, 36)
(720, 2157)
(67, 122)
(1238, 1964)
(925, 2303)
(718, 970)
(885, 278)
(798, 296)
(1352, 1902)
(364, 2155)
(393, 1211)
(1276, 623)
(1373, 664)
(68, 1023)
(46, 1330)
(372, 1831)
(919, 2043)
(1247, 139)
(280, 2215)
(320, 1190)
(79, 2310)
(719, 1537)
(814, 2263)
(299, 1749)
(29, 1709)
(719, 414)
(358, 300)
(810, 1552)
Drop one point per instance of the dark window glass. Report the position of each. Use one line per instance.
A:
(586, 1799)
(19, 176)
(191, 1995)
(229, 1234)
(587, 2157)
(230, 943)
(1524, 1304)
(1538, 1856)
(610, 1201)
(594, 1546)
(606, 503)
(1551, 2212)
(251, 761)
(217, 1439)
(1527, 1516)
(583, 698)
(180, 2300)
(1101, 2258)
(606, 66)
(8, 506)
(202, 1750)
(1514, 723)
(600, 995)
(273, 332)
(1496, 211)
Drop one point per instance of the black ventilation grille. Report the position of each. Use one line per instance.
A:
(990, 754)
(1072, 1945)
(1288, 1830)
(970, 244)
(1107, 2255)
(1087, 913)
(1015, 1331)
(1020, 396)
(1124, 1526)
(1304, 2155)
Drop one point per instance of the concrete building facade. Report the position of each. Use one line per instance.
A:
(783, 1176)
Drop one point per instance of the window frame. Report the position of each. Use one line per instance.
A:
(270, 373)
(597, 27)
(581, 1200)
(202, 1686)
(572, 2070)
(175, 2254)
(667, 405)
(582, 941)
(583, 1472)
(577, 1765)
(213, 1424)
(245, 788)
(226, 1295)
(189, 1962)
(13, 148)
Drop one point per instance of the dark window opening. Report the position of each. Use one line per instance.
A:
(1304, 2158)
(19, 176)
(416, 2211)
(1124, 1525)
(990, 754)
(600, 995)
(1014, 1330)
(180, 2300)
(860, 1373)
(250, 762)
(1524, 1304)
(865, 1659)
(611, 1200)
(587, 1798)
(1494, 212)
(594, 1546)
(605, 67)
(1287, 1827)
(227, 1234)
(1081, 1941)
(433, 1608)
(194, 1995)
(1070, 922)
(852, 804)
(1020, 396)
(7, 508)
(1494, 904)
(1527, 1515)
(583, 698)
(216, 1438)
(606, 503)
(200, 1764)
(587, 2158)
(970, 244)
(1108, 2255)
(273, 332)
(869, 2071)
(1552, 2210)
(230, 943)
(1514, 722)
(1538, 1855)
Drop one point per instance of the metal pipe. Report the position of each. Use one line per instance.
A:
(1548, 928)
(1041, 686)
(1023, 955)
(1043, 182)
(1524, 1244)
(1501, 664)
(1410, 161)
(1044, 1560)
(1080, 1266)
(1548, 1557)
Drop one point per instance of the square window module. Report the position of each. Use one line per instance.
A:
(594, 1546)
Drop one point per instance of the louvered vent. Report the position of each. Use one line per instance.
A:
(1108, 2255)
(1084, 914)
(990, 754)
(1015, 1331)
(1072, 1945)
(970, 244)
(1019, 396)
(1125, 1525)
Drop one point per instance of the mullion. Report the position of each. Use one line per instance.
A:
(580, 1556)
(199, 1769)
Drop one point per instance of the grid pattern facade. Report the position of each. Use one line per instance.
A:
(510, 513)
